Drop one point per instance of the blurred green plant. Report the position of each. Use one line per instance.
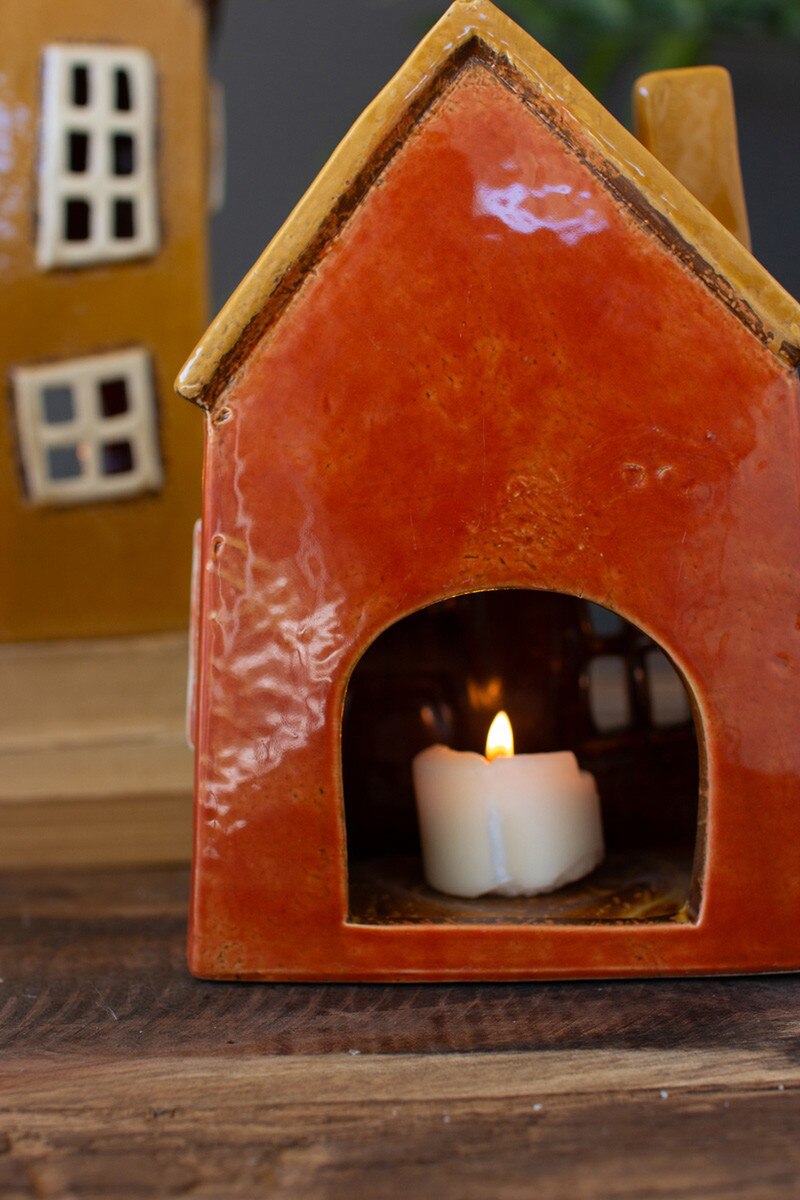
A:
(597, 36)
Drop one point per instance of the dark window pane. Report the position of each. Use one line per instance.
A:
(609, 699)
(122, 146)
(57, 404)
(78, 152)
(63, 462)
(117, 458)
(80, 86)
(77, 221)
(669, 700)
(603, 621)
(113, 397)
(122, 91)
(124, 225)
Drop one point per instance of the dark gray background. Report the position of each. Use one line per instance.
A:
(298, 72)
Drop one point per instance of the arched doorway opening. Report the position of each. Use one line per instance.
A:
(573, 676)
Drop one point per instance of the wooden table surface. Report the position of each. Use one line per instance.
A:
(123, 1077)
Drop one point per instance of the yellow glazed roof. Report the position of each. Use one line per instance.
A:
(716, 255)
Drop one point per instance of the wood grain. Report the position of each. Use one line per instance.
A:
(120, 1076)
(94, 765)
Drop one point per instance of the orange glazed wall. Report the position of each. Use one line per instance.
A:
(120, 566)
(464, 393)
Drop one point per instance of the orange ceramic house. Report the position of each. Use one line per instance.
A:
(497, 348)
(104, 211)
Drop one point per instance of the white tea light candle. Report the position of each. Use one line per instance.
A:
(513, 825)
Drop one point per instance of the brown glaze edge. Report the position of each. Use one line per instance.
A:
(18, 466)
(358, 975)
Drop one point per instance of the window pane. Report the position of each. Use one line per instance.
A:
(77, 437)
(77, 152)
(669, 702)
(63, 462)
(122, 154)
(124, 223)
(122, 91)
(609, 702)
(117, 458)
(98, 114)
(77, 221)
(113, 397)
(604, 622)
(80, 86)
(57, 404)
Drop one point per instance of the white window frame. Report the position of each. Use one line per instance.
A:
(97, 186)
(88, 430)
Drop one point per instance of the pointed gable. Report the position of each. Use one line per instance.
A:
(490, 288)
(473, 36)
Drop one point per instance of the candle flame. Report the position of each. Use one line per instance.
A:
(500, 738)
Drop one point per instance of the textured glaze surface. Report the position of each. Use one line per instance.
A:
(118, 567)
(495, 377)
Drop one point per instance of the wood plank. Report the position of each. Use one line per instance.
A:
(248, 1080)
(120, 1076)
(104, 684)
(118, 829)
(124, 931)
(94, 765)
(90, 769)
(262, 1127)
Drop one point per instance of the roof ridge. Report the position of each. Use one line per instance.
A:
(669, 209)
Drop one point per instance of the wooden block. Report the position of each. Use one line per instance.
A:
(116, 829)
(94, 766)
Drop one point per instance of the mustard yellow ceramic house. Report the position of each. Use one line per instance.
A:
(105, 168)
(103, 152)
